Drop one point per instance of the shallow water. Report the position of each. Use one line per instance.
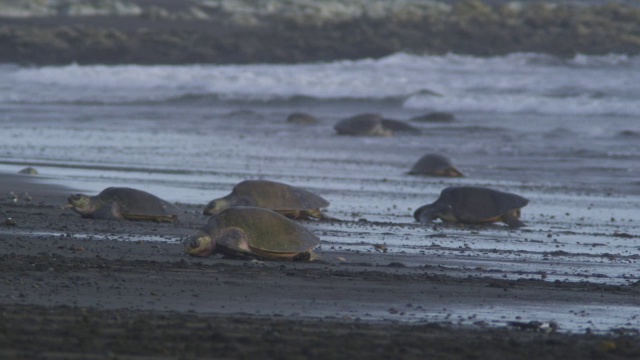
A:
(563, 133)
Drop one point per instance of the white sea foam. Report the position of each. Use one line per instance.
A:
(514, 83)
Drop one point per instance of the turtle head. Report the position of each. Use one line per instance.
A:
(81, 203)
(215, 206)
(200, 244)
(428, 213)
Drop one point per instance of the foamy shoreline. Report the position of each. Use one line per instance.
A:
(327, 10)
(163, 32)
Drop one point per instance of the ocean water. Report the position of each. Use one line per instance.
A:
(564, 133)
(529, 118)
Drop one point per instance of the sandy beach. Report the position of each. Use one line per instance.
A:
(187, 101)
(75, 287)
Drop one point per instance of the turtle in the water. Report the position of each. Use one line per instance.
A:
(115, 203)
(287, 200)
(473, 205)
(435, 165)
(252, 232)
(301, 118)
(372, 124)
(434, 117)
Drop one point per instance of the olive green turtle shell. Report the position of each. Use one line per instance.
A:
(266, 230)
(475, 204)
(372, 124)
(434, 164)
(137, 202)
(275, 196)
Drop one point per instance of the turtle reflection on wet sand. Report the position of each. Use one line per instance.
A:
(290, 201)
(116, 203)
(246, 232)
(371, 124)
(473, 205)
(435, 165)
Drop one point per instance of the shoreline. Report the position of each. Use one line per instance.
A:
(469, 28)
(92, 287)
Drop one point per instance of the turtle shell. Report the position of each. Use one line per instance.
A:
(363, 124)
(137, 202)
(399, 126)
(268, 233)
(372, 124)
(434, 164)
(436, 116)
(478, 204)
(275, 196)
(302, 118)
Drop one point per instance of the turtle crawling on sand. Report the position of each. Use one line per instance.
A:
(473, 205)
(287, 200)
(372, 125)
(301, 118)
(252, 232)
(435, 165)
(116, 203)
(28, 171)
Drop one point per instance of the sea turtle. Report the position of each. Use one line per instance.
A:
(467, 204)
(29, 171)
(287, 200)
(301, 118)
(435, 165)
(252, 232)
(124, 203)
(372, 124)
(436, 116)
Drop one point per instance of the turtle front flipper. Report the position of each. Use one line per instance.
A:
(306, 215)
(108, 211)
(234, 242)
(317, 214)
(155, 218)
(511, 218)
(306, 256)
(427, 213)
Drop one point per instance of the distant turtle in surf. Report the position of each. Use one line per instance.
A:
(372, 124)
(301, 118)
(287, 200)
(629, 134)
(252, 232)
(436, 116)
(116, 203)
(435, 165)
(473, 205)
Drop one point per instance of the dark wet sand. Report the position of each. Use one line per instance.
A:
(77, 288)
